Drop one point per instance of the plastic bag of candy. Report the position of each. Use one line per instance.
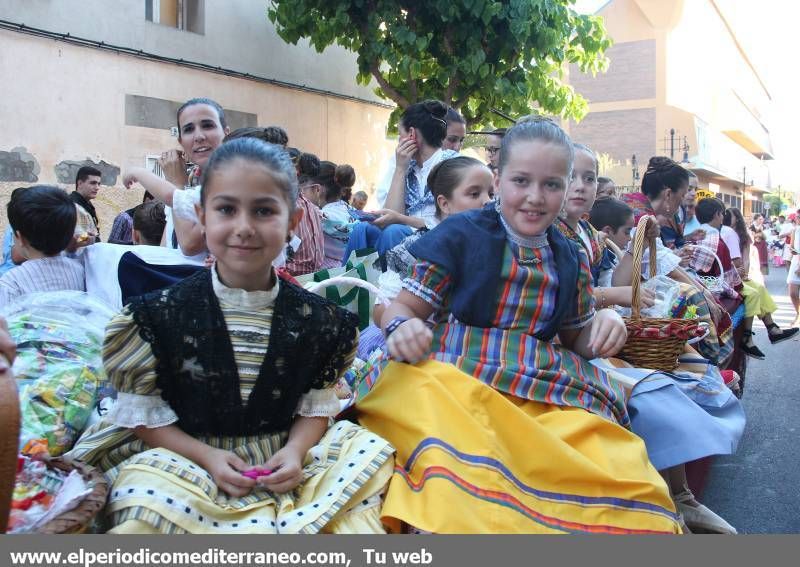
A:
(59, 363)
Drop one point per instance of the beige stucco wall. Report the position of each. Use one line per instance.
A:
(68, 103)
(237, 35)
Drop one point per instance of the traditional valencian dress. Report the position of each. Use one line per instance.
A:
(233, 368)
(502, 431)
(681, 416)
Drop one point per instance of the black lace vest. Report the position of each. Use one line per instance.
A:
(310, 343)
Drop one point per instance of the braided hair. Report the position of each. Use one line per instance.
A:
(661, 173)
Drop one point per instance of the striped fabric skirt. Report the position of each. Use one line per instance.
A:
(158, 491)
(473, 460)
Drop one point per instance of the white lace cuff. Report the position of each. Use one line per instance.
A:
(183, 202)
(133, 410)
(389, 286)
(319, 403)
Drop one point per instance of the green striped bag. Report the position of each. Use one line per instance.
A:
(361, 265)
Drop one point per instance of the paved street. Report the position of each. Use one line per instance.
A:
(758, 489)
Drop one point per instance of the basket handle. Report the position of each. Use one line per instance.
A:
(638, 256)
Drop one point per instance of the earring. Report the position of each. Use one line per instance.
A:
(290, 251)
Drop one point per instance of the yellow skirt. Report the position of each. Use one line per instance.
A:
(472, 460)
(344, 476)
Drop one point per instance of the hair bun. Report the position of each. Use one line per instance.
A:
(660, 164)
(436, 107)
(344, 176)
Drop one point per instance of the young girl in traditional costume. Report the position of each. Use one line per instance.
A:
(458, 184)
(226, 379)
(682, 416)
(499, 430)
(572, 224)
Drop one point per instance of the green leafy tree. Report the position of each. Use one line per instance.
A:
(476, 55)
(776, 203)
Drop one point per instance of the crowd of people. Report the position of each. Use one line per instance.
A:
(495, 404)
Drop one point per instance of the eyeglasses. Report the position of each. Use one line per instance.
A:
(491, 150)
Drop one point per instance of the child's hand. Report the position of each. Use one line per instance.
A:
(225, 468)
(647, 298)
(287, 467)
(386, 217)
(410, 342)
(686, 254)
(696, 235)
(608, 334)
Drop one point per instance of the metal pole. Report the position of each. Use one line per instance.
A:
(672, 143)
(744, 185)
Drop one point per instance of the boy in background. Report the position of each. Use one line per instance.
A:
(43, 219)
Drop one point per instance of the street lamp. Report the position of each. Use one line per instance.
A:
(634, 171)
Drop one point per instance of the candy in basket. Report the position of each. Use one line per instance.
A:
(59, 366)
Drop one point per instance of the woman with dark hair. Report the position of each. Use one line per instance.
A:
(408, 204)
(337, 220)
(456, 130)
(664, 186)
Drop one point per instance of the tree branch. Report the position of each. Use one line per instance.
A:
(390, 91)
(412, 86)
(452, 85)
(447, 41)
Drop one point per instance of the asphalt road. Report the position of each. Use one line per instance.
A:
(757, 490)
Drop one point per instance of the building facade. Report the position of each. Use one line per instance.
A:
(107, 92)
(681, 85)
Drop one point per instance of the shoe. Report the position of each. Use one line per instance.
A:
(783, 335)
(731, 379)
(701, 518)
(753, 352)
(682, 523)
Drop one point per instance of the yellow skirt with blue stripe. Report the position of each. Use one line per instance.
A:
(159, 491)
(473, 460)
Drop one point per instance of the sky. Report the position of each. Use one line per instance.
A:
(765, 29)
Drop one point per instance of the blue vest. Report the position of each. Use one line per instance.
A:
(470, 247)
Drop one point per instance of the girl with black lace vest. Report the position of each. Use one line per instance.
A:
(226, 383)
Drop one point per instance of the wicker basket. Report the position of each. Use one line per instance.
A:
(649, 352)
(78, 520)
(9, 442)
